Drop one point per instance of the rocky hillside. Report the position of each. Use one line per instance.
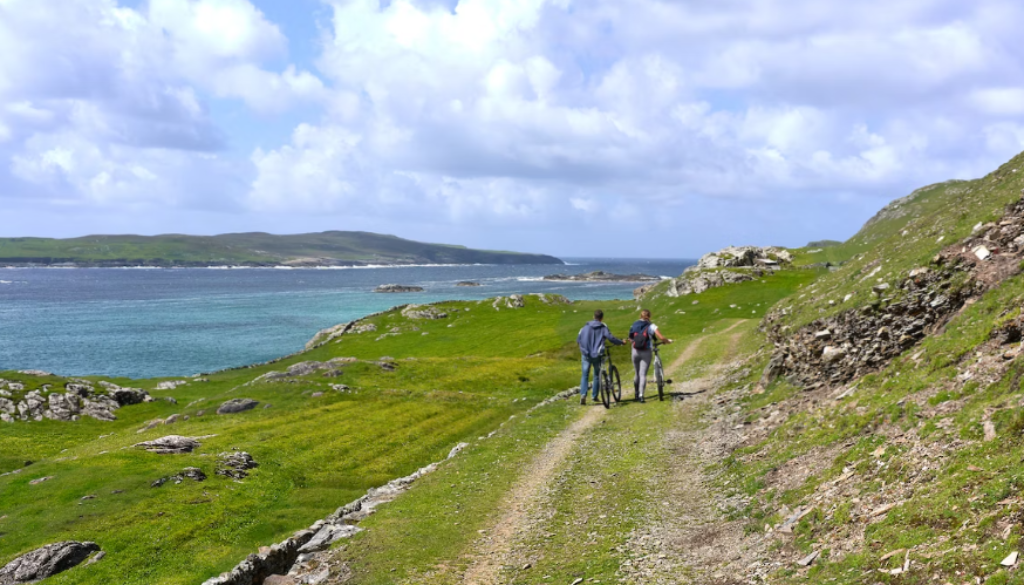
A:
(730, 265)
(879, 430)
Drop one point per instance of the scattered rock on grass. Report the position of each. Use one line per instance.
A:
(169, 445)
(235, 465)
(193, 473)
(46, 561)
(237, 405)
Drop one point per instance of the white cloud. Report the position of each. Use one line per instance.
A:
(521, 113)
(100, 102)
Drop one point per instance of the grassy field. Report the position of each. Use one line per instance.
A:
(453, 379)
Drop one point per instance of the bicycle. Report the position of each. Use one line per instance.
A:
(611, 384)
(659, 371)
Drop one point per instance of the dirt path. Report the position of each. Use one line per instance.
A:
(515, 511)
(691, 350)
(685, 502)
(684, 539)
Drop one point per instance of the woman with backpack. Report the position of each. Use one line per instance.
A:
(642, 334)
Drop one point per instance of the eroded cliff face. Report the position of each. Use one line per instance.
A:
(840, 348)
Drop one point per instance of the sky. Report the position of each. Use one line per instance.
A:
(629, 128)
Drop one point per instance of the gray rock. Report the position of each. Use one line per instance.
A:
(169, 445)
(305, 368)
(100, 407)
(831, 354)
(46, 561)
(237, 405)
(235, 464)
(739, 256)
(64, 407)
(128, 396)
(423, 312)
(193, 473)
(82, 390)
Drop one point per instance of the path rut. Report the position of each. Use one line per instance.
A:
(516, 510)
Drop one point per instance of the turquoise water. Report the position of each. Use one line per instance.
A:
(161, 322)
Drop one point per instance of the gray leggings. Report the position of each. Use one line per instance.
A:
(642, 360)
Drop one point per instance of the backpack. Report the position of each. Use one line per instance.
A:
(640, 334)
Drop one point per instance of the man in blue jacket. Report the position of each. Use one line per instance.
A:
(591, 342)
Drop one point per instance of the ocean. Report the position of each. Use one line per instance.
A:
(142, 323)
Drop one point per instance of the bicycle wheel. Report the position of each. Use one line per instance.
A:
(659, 377)
(606, 390)
(616, 384)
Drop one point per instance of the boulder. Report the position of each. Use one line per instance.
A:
(739, 256)
(235, 464)
(423, 312)
(304, 368)
(237, 405)
(694, 282)
(63, 407)
(46, 561)
(128, 396)
(169, 445)
(100, 408)
(79, 388)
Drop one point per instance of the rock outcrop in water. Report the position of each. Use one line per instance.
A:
(601, 276)
(397, 288)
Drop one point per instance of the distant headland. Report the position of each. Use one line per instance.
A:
(254, 249)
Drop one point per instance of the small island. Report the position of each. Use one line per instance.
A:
(397, 288)
(601, 276)
(467, 283)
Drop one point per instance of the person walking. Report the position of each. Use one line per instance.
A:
(591, 341)
(642, 334)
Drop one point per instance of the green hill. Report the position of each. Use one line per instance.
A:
(333, 248)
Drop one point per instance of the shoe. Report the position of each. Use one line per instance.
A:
(642, 401)
(583, 401)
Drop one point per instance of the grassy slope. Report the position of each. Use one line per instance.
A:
(903, 236)
(460, 381)
(951, 509)
(252, 248)
(428, 534)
